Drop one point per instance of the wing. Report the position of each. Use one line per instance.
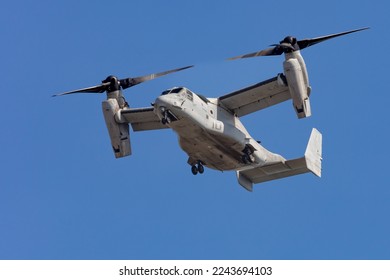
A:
(142, 118)
(257, 97)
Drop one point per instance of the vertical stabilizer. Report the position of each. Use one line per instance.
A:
(313, 153)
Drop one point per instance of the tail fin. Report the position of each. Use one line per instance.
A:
(313, 153)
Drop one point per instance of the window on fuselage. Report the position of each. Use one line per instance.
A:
(174, 90)
(204, 99)
(189, 95)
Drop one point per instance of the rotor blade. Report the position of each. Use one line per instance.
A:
(278, 49)
(309, 42)
(129, 82)
(266, 52)
(95, 89)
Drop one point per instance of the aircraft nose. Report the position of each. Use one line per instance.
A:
(170, 102)
(162, 105)
(162, 102)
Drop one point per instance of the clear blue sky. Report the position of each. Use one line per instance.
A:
(63, 195)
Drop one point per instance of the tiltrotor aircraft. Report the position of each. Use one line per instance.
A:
(209, 129)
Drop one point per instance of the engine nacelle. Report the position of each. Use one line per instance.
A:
(297, 80)
(119, 132)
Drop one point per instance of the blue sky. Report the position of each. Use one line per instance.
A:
(63, 195)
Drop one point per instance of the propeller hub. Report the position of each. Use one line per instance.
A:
(114, 83)
(289, 44)
(289, 40)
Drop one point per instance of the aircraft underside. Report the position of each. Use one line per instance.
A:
(220, 153)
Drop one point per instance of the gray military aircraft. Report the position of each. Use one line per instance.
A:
(209, 129)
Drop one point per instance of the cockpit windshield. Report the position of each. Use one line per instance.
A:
(172, 90)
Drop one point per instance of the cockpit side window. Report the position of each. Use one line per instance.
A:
(189, 95)
(204, 99)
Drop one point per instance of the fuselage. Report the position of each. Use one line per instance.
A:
(209, 133)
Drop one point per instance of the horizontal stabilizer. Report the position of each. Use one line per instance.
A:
(310, 162)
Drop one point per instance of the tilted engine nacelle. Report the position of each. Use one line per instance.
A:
(298, 83)
(295, 68)
(119, 132)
